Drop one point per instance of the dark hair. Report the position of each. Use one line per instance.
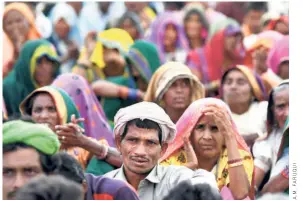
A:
(271, 121)
(187, 191)
(50, 188)
(45, 160)
(256, 6)
(174, 5)
(256, 76)
(146, 124)
(68, 167)
(28, 107)
(202, 18)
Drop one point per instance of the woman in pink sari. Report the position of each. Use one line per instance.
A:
(168, 35)
(79, 90)
(223, 49)
(207, 138)
(278, 58)
(257, 54)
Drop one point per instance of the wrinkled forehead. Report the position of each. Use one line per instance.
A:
(142, 133)
(13, 14)
(281, 90)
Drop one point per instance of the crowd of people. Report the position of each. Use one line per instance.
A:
(145, 100)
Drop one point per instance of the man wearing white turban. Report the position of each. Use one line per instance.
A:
(142, 133)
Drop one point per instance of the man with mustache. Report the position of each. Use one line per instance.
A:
(27, 150)
(142, 133)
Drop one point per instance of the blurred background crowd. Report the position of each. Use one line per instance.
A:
(90, 59)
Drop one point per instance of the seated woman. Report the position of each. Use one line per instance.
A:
(65, 36)
(266, 151)
(244, 93)
(257, 54)
(223, 49)
(174, 88)
(280, 181)
(37, 66)
(168, 35)
(130, 22)
(19, 14)
(55, 108)
(195, 25)
(278, 58)
(143, 60)
(207, 138)
(108, 63)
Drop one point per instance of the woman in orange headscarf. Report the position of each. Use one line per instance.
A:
(19, 26)
(207, 138)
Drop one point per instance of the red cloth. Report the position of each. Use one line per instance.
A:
(214, 57)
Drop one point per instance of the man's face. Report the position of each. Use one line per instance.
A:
(19, 167)
(140, 150)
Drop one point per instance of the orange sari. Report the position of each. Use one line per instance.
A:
(8, 54)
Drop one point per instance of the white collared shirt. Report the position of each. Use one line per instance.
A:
(162, 179)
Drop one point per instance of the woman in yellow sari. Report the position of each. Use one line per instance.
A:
(207, 138)
(53, 107)
(174, 87)
(105, 66)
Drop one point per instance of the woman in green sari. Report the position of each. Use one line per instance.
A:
(106, 66)
(144, 61)
(37, 66)
(53, 107)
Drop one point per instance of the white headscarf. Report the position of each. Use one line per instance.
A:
(66, 12)
(146, 110)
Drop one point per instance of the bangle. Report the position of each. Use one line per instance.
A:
(234, 161)
(132, 94)
(235, 164)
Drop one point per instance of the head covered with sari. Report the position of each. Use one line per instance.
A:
(113, 39)
(255, 82)
(21, 82)
(64, 11)
(185, 127)
(158, 28)
(209, 60)
(135, 20)
(197, 8)
(26, 11)
(145, 58)
(87, 104)
(278, 54)
(166, 75)
(266, 39)
(65, 106)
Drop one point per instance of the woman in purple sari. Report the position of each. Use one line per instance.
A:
(168, 35)
(95, 124)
